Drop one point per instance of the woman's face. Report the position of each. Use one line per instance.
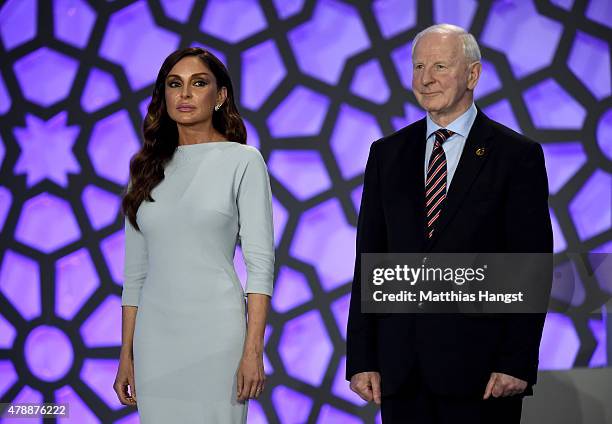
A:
(192, 92)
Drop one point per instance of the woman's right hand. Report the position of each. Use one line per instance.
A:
(124, 382)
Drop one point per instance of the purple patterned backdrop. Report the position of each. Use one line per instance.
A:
(317, 82)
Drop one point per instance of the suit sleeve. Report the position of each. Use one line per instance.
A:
(528, 230)
(135, 265)
(361, 352)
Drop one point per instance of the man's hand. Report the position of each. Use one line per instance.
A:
(367, 386)
(502, 385)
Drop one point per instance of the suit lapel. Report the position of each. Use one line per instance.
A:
(408, 168)
(475, 152)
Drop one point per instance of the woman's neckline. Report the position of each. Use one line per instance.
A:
(199, 145)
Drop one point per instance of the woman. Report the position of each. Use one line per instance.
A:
(196, 189)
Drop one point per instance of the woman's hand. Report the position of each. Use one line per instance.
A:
(124, 382)
(251, 376)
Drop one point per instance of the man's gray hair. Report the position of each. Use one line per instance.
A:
(470, 45)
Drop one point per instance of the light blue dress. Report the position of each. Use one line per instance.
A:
(191, 320)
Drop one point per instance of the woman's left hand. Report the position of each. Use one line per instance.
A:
(251, 376)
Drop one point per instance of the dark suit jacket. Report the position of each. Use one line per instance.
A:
(497, 202)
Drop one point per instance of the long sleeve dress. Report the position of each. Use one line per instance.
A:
(191, 321)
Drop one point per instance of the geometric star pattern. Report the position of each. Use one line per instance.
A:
(46, 149)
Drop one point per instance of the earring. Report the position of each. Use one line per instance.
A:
(217, 107)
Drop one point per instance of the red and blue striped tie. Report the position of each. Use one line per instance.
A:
(435, 184)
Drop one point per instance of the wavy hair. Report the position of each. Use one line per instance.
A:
(160, 132)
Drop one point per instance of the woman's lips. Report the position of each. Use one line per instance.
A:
(185, 108)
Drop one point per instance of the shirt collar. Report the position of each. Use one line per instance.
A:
(461, 125)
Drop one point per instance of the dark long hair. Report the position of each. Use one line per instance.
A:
(160, 132)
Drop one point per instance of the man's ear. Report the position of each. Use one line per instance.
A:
(474, 70)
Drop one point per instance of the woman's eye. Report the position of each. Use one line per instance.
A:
(200, 83)
(173, 84)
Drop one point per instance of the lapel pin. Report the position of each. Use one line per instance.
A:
(480, 151)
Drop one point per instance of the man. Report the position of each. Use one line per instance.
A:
(454, 181)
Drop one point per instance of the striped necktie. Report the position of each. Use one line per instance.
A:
(435, 184)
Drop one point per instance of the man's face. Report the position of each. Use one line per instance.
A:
(442, 79)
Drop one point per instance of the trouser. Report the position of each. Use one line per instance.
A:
(415, 404)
